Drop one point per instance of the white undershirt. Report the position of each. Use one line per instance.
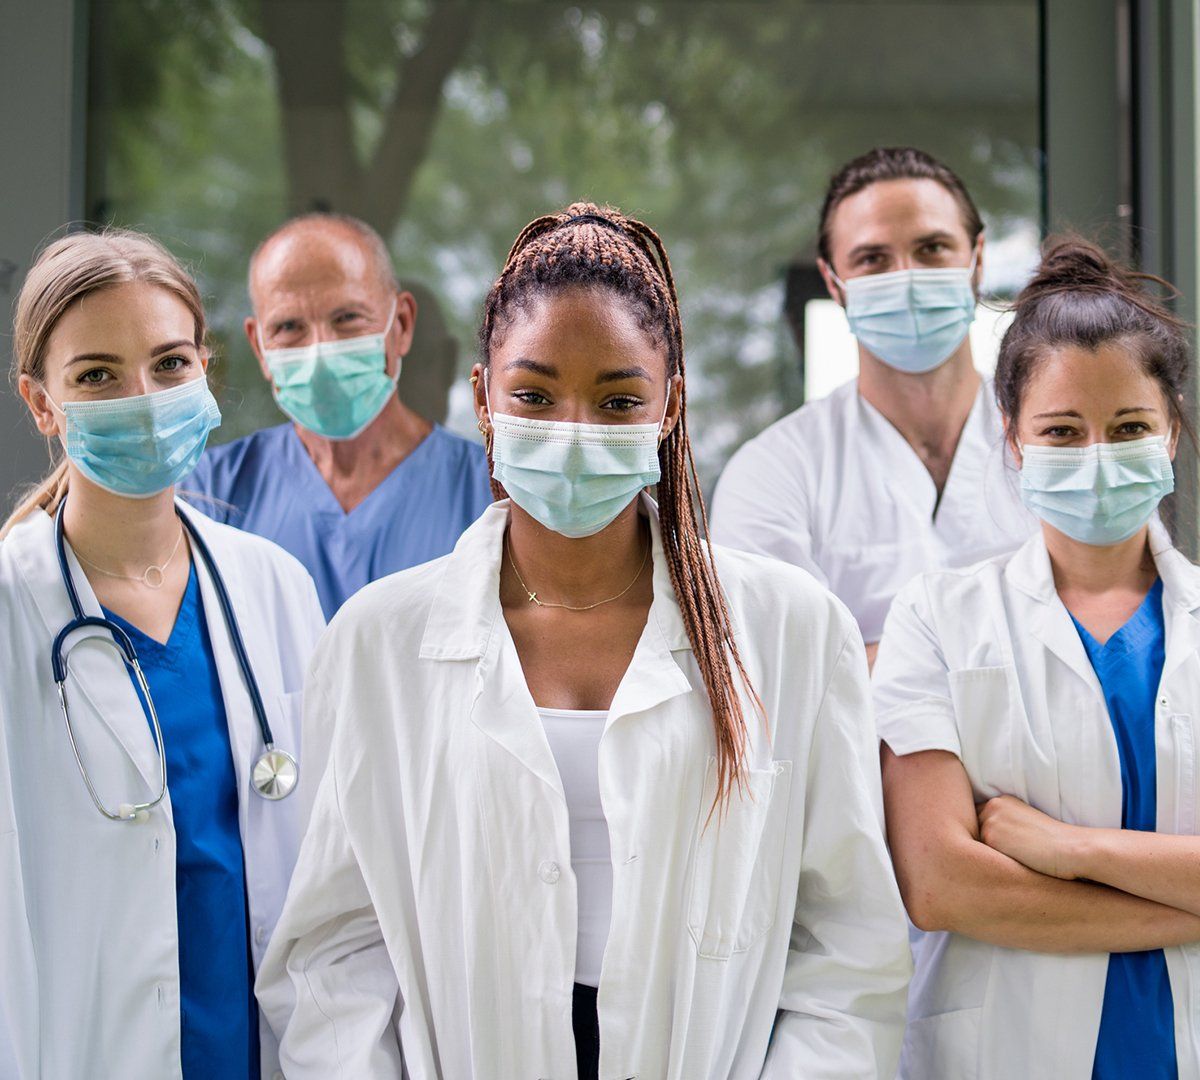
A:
(574, 737)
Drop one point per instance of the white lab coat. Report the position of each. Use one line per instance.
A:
(432, 918)
(89, 973)
(836, 489)
(986, 664)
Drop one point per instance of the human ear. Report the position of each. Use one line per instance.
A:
(33, 393)
(250, 326)
(831, 285)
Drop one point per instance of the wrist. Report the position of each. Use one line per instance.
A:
(1078, 852)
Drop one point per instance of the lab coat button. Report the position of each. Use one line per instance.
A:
(260, 935)
(276, 1076)
(549, 872)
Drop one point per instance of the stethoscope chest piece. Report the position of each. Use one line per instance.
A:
(275, 774)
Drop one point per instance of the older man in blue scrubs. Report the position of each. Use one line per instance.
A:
(357, 485)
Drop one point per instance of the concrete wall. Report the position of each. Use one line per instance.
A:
(42, 80)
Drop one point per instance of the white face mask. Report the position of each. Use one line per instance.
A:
(1100, 494)
(913, 320)
(573, 478)
(334, 388)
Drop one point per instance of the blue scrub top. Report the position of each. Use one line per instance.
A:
(271, 487)
(218, 1014)
(1137, 1026)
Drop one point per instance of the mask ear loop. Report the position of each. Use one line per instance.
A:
(663, 419)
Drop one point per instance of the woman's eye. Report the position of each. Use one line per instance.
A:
(174, 363)
(94, 377)
(530, 397)
(1058, 433)
(1133, 427)
(623, 404)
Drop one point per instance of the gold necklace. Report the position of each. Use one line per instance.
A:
(152, 577)
(535, 599)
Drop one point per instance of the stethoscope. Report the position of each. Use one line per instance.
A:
(275, 772)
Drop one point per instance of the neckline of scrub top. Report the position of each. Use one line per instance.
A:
(923, 493)
(166, 652)
(325, 492)
(1130, 635)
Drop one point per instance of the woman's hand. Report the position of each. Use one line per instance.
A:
(1032, 838)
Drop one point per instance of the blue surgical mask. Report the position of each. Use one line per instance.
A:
(334, 388)
(573, 478)
(139, 446)
(913, 320)
(1100, 494)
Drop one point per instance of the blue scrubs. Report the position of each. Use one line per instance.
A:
(271, 487)
(218, 1014)
(1137, 1026)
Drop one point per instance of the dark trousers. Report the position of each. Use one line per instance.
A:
(587, 1032)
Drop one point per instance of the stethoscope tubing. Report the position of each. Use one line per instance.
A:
(59, 667)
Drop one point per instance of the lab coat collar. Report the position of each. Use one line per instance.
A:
(467, 623)
(1029, 571)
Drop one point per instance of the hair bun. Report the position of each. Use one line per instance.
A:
(1074, 262)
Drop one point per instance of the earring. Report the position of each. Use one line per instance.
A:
(485, 429)
(474, 379)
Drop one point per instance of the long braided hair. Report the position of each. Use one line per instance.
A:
(586, 246)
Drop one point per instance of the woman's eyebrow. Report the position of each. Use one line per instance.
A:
(523, 363)
(621, 374)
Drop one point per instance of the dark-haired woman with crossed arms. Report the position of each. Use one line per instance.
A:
(602, 801)
(1041, 715)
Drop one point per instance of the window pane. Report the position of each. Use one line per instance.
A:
(449, 125)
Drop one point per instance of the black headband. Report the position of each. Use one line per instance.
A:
(594, 219)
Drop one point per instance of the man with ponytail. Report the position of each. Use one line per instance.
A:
(899, 470)
(604, 799)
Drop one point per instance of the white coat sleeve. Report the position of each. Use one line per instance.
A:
(327, 985)
(761, 506)
(910, 684)
(842, 1008)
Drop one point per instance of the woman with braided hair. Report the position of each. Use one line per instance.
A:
(603, 800)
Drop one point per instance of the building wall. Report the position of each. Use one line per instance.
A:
(41, 178)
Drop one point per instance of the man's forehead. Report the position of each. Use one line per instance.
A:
(892, 210)
(314, 255)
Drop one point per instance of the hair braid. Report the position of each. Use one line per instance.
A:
(586, 246)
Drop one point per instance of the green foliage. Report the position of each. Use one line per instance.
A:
(719, 123)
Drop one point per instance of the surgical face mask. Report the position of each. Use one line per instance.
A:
(913, 320)
(333, 388)
(573, 478)
(139, 446)
(1100, 494)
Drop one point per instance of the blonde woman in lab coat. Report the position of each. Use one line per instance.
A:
(148, 829)
(600, 802)
(1040, 714)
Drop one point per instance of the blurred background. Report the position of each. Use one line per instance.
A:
(448, 124)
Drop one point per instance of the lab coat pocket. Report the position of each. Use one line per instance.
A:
(737, 861)
(983, 710)
(943, 1047)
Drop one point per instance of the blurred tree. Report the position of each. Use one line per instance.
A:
(449, 123)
